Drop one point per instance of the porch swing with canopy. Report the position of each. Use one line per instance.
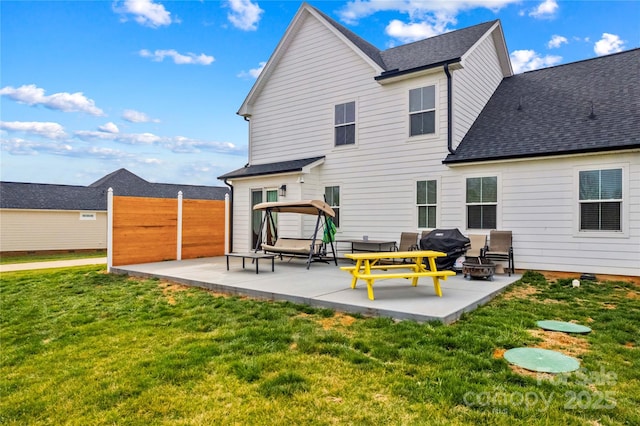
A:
(314, 248)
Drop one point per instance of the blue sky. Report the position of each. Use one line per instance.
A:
(88, 87)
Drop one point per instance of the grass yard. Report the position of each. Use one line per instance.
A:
(81, 347)
(38, 257)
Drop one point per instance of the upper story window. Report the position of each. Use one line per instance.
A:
(332, 197)
(422, 111)
(600, 199)
(345, 124)
(482, 202)
(427, 201)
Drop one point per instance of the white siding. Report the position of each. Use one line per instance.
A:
(474, 85)
(35, 230)
(293, 115)
(538, 202)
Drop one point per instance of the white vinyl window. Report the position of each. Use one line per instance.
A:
(332, 197)
(482, 202)
(422, 111)
(345, 124)
(600, 200)
(427, 202)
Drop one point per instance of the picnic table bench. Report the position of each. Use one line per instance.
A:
(369, 269)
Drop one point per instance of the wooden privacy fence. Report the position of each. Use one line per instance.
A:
(144, 230)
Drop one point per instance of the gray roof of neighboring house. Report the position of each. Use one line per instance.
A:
(418, 55)
(549, 112)
(19, 195)
(270, 168)
(125, 183)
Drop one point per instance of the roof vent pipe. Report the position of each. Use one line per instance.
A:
(449, 110)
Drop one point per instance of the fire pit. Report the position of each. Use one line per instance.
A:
(477, 267)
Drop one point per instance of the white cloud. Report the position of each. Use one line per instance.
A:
(126, 138)
(133, 116)
(253, 72)
(527, 60)
(45, 129)
(68, 102)
(546, 9)
(609, 43)
(183, 145)
(557, 41)
(414, 31)
(439, 11)
(109, 128)
(178, 58)
(145, 12)
(244, 14)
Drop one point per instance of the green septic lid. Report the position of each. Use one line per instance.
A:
(542, 360)
(567, 327)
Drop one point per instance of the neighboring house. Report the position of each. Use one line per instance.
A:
(440, 134)
(45, 217)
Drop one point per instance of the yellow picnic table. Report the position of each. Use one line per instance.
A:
(369, 269)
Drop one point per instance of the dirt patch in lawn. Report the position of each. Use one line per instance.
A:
(521, 292)
(169, 289)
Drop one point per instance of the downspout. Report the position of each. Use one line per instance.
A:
(230, 216)
(449, 109)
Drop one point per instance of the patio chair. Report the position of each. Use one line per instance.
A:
(408, 241)
(501, 248)
(478, 245)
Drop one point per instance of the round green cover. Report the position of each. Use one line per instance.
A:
(567, 327)
(542, 360)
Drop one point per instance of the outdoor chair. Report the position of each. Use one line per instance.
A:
(408, 242)
(501, 248)
(478, 245)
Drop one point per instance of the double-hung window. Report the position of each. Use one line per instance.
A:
(482, 202)
(426, 201)
(345, 124)
(422, 111)
(600, 199)
(332, 197)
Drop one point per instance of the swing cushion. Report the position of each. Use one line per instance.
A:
(292, 246)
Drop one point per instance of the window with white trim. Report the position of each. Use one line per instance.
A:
(427, 202)
(482, 202)
(345, 124)
(600, 199)
(332, 197)
(422, 111)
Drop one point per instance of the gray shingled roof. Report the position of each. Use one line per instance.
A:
(422, 54)
(125, 183)
(270, 168)
(547, 112)
(433, 51)
(19, 195)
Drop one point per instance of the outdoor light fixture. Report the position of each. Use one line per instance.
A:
(283, 190)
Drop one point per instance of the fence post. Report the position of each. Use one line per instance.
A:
(179, 245)
(226, 223)
(109, 229)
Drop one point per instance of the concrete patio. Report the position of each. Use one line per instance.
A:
(326, 286)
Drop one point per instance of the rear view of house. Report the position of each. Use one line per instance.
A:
(440, 134)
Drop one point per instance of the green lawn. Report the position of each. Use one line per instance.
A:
(81, 347)
(50, 257)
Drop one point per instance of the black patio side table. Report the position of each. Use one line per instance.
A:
(254, 256)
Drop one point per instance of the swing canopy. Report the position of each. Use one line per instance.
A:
(312, 249)
(312, 207)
